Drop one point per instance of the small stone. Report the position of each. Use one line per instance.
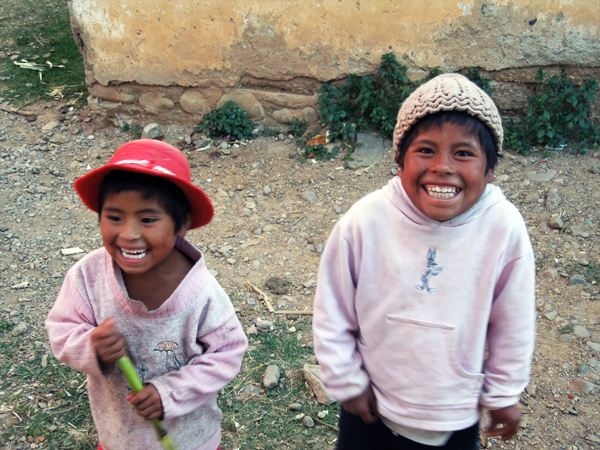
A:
(264, 324)
(224, 145)
(551, 315)
(251, 330)
(532, 197)
(594, 346)
(50, 125)
(251, 302)
(271, 377)
(556, 222)
(268, 228)
(596, 169)
(552, 199)
(583, 370)
(579, 231)
(322, 414)
(308, 422)
(568, 338)
(250, 389)
(291, 241)
(577, 279)
(258, 232)
(312, 375)
(151, 131)
(583, 387)
(320, 248)
(531, 389)
(20, 329)
(267, 190)
(551, 273)
(309, 196)
(581, 332)
(295, 407)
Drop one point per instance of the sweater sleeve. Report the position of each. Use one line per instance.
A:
(189, 387)
(69, 325)
(335, 324)
(511, 335)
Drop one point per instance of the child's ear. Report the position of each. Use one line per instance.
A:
(489, 177)
(185, 227)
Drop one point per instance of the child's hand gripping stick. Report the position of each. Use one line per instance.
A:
(135, 383)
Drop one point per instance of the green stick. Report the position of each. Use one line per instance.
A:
(129, 372)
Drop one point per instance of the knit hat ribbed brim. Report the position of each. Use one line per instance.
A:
(448, 92)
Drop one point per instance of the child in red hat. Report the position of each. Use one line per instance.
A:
(147, 293)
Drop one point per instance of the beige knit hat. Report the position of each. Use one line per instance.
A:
(448, 92)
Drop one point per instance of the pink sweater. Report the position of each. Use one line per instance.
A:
(407, 304)
(189, 349)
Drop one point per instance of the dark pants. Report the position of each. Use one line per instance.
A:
(357, 435)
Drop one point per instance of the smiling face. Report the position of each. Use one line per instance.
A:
(137, 232)
(444, 171)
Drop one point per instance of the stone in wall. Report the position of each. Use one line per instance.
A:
(309, 115)
(155, 102)
(283, 116)
(192, 102)
(246, 101)
(111, 94)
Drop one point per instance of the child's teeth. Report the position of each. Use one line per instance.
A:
(443, 192)
(135, 254)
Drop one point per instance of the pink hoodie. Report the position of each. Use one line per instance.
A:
(407, 304)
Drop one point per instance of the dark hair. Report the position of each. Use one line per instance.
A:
(472, 124)
(168, 194)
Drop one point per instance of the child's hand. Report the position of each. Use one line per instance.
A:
(509, 418)
(108, 342)
(147, 402)
(364, 406)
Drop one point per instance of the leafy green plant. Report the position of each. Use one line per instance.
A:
(272, 131)
(319, 152)
(228, 120)
(474, 74)
(367, 101)
(134, 130)
(298, 127)
(558, 114)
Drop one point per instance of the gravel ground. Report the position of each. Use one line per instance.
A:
(273, 215)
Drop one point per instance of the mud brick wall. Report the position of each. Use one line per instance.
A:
(176, 61)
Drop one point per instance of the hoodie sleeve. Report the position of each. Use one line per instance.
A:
(511, 334)
(335, 325)
(189, 387)
(69, 325)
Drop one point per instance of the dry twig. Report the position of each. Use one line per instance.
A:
(264, 296)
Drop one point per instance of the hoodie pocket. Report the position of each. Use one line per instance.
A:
(415, 363)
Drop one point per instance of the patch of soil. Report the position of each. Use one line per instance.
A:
(268, 227)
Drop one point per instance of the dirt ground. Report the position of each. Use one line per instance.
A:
(267, 224)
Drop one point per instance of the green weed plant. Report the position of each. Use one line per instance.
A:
(558, 114)
(228, 120)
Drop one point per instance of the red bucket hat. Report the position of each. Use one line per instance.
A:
(155, 158)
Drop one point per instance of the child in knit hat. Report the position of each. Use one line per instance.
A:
(148, 294)
(420, 278)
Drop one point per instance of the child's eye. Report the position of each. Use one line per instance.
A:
(464, 153)
(113, 218)
(425, 150)
(149, 220)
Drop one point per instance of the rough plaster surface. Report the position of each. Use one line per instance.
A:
(292, 46)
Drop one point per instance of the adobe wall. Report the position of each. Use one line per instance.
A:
(177, 60)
